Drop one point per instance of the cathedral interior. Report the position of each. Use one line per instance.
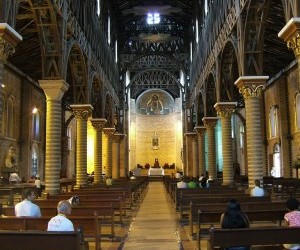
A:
(114, 88)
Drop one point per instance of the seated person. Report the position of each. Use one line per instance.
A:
(233, 217)
(60, 222)
(192, 183)
(74, 200)
(177, 175)
(14, 178)
(257, 191)
(201, 177)
(204, 183)
(26, 207)
(182, 183)
(292, 219)
(108, 181)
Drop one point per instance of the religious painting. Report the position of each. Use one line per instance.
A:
(155, 141)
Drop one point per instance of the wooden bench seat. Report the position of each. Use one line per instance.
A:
(254, 216)
(37, 240)
(264, 236)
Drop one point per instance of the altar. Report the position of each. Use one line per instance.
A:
(156, 171)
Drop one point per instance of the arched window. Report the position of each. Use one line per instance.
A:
(9, 128)
(98, 7)
(35, 124)
(69, 137)
(108, 29)
(273, 121)
(34, 160)
(297, 111)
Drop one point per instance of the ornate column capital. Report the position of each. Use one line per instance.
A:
(54, 89)
(116, 137)
(251, 86)
(290, 33)
(191, 135)
(109, 131)
(225, 109)
(210, 122)
(98, 123)
(82, 110)
(9, 39)
(200, 130)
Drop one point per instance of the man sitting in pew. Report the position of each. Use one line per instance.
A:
(60, 222)
(257, 191)
(26, 207)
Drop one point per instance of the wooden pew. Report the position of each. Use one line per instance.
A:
(90, 225)
(264, 236)
(36, 240)
(254, 216)
(245, 206)
(105, 213)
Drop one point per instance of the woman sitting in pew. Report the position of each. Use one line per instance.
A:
(233, 217)
(292, 219)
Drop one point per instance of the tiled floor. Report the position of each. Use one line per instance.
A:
(154, 226)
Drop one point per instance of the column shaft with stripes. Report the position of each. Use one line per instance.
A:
(109, 133)
(98, 124)
(201, 149)
(225, 110)
(252, 87)
(8, 40)
(123, 153)
(82, 112)
(116, 139)
(195, 155)
(54, 91)
(210, 123)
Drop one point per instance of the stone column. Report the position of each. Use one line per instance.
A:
(82, 112)
(195, 155)
(109, 132)
(201, 149)
(54, 91)
(98, 124)
(210, 123)
(225, 110)
(123, 157)
(191, 154)
(9, 39)
(251, 88)
(116, 139)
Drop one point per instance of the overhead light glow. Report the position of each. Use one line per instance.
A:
(153, 18)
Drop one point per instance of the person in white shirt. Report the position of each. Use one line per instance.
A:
(60, 222)
(177, 175)
(26, 207)
(37, 184)
(182, 183)
(257, 191)
(14, 178)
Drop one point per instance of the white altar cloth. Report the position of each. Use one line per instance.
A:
(156, 171)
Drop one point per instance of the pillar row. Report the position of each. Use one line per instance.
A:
(54, 91)
(251, 88)
(98, 125)
(82, 112)
(116, 138)
(9, 39)
(225, 110)
(210, 123)
(201, 149)
(123, 151)
(109, 133)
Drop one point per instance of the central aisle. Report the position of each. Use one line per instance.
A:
(155, 225)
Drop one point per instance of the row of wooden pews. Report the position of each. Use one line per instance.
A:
(101, 209)
(200, 208)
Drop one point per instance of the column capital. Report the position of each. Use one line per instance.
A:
(251, 86)
(54, 89)
(9, 39)
(192, 135)
(200, 130)
(225, 109)
(117, 137)
(98, 123)
(82, 110)
(290, 33)
(109, 131)
(210, 122)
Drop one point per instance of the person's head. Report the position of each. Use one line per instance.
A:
(292, 204)
(74, 200)
(203, 182)
(257, 183)
(64, 207)
(233, 206)
(29, 194)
